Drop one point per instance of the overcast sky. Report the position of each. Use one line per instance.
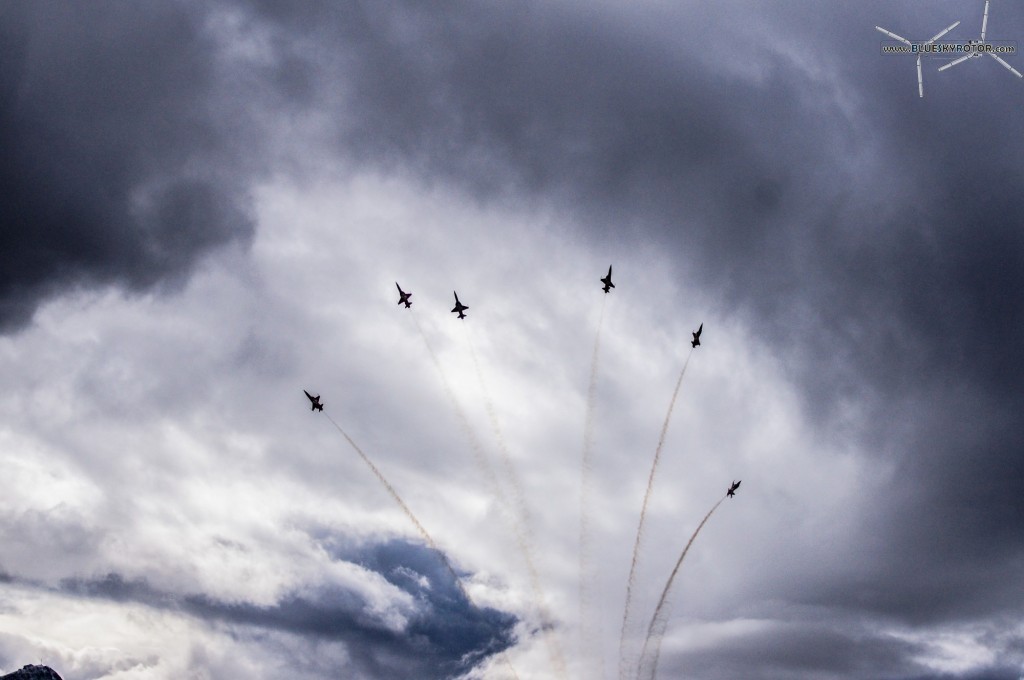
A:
(205, 208)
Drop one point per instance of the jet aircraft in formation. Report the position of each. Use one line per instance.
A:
(607, 281)
(403, 297)
(732, 489)
(315, 401)
(459, 307)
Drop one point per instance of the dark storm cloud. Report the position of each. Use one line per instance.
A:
(943, 546)
(444, 637)
(762, 180)
(118, 149)
(644, 137)
(803, 650)
(756, 177)
(872, 237)
(457, 626)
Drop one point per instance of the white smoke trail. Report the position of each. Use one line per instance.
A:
(631, 581)
(419, 527)
(648, 666)
(491, 478)
(590, 627)
(522, 523)
(474, 442)
(394, 495)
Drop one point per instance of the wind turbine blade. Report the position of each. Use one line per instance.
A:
(894, 36)
(950, 28)
(1000, 60)
(920, 81)
(954, 63)
(984, 22)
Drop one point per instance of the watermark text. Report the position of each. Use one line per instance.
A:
(950, 48)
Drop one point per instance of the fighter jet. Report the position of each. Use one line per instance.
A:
(315, 401)
(696, 336)
(403, 296)
(607, 281)
(732, 489)
(459, 307)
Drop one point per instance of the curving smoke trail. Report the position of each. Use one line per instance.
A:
(522, 521)
(631, 581)
(419, 526)
(590, 631)
(394, 495)
(648, 666)
(498, 492)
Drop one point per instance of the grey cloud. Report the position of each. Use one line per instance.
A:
(770, 190)
(806, 650)
(872, 238)
(446, 635)
(40, 542)
(120, 162)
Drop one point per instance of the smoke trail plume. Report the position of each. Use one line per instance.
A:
(510, 475)
(648, 667)
(590, 631)
(416, 523)
(474, 442)
(631, 581)
(496, 489)
(394, 495)
(524, 534)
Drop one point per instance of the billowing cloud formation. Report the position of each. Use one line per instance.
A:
(444, 635)
(884, 258)
(806, 650)
(120, 150)
(810, 208)
(784, 170)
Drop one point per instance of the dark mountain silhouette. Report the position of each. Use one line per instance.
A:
(32, 672)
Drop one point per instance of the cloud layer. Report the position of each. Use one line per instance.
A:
(854, 252)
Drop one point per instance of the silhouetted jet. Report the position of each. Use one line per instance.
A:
(315, 401)
(459, 307)
(732, 489)
(696, 336)
(403, 296)
(607, 281)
